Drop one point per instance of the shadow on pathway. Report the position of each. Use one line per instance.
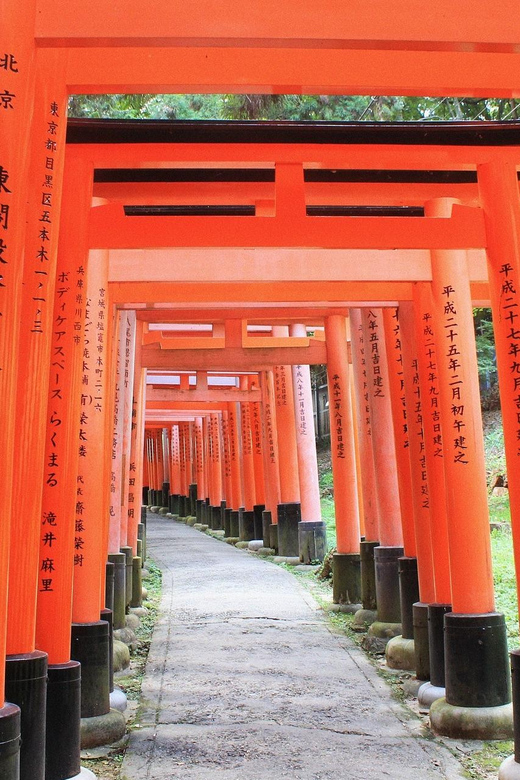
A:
(244, 681)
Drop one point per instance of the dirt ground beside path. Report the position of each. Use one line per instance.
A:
(244, 681)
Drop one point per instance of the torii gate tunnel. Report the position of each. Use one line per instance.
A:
(164, 288)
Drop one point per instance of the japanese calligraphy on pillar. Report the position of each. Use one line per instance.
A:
(508, 316)
(336, 393)
(301, 417)
(67, 310)
(450, 354)
(397, 357)
(245, 415)
(232, 428)
(281, 385)
(374, 358)
(363, 362)
(431, 409)
(227, 445)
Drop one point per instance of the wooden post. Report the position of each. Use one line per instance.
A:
(346, 574)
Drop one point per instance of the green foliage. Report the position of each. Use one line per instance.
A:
(351, 108)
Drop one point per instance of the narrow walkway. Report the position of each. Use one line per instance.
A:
(245, 682)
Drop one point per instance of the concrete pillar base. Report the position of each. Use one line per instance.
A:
(387, 583)
(227, 522)
(273, 536)
(246, 525)
(400, 653)
(349, 609)
(63, 720)
(129, 554)
(266, 524)
(137, 582)
(90, 644)
(364, 618)
(346, 578)
(10, 741)
(85, 774)
(119, 561)
(368, 574)
(509, 769)
(384, 630)
(409, 593)
(412, 686)
(289, 517)
(118, 700)
(448, 720)
(102, 729)
(312, 541)
(421, 641)
(234, 524)
(26, 686)
(258, 510)
(429, 693)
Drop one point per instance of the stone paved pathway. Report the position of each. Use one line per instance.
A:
(244, 681)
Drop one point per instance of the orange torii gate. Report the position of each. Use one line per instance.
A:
(295, 243)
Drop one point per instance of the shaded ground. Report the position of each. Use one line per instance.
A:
(245, 681)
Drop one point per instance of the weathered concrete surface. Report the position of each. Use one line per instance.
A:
(245, 682)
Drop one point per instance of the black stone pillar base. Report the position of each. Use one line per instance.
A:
(312, 541)
(199, 509)
(514, 657)
(129, 555)
(62, 754)
(246, 525)
(10, 718)
(289, 516)
(387, 583)
(216, 518)
(141, 536)
(119, 561)
(174, 503)
(273, 537)
(476, 662)
(183, 506)
(258, 510)
(137, 582)
(165, 495)
(346, 578)
(409, 593)
(145, 494)
(109, 585)
(90, 646)
(421, 641)
(108, 617)
(26, 686)
(192, 494)
(368, 574)
(227, 522)
(436, 613)
(266, 524)
(234, 524)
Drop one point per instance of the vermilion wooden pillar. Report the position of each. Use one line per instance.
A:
(498, 188)
(387, 489)
(247, 518)
(236, 472)
(199, 465)
(258, 460)
(417, 576)
(175, 470)
(271, 466)
(18, 84)
(402, 415)
(128, 532)
(62, 508)
(346, 574)
(135, 466)
(432, 666)
(473, 632)
(289, 512)
(312, 541)
(115, 539)
(366, 458)
(47, 153)
(216, 473)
